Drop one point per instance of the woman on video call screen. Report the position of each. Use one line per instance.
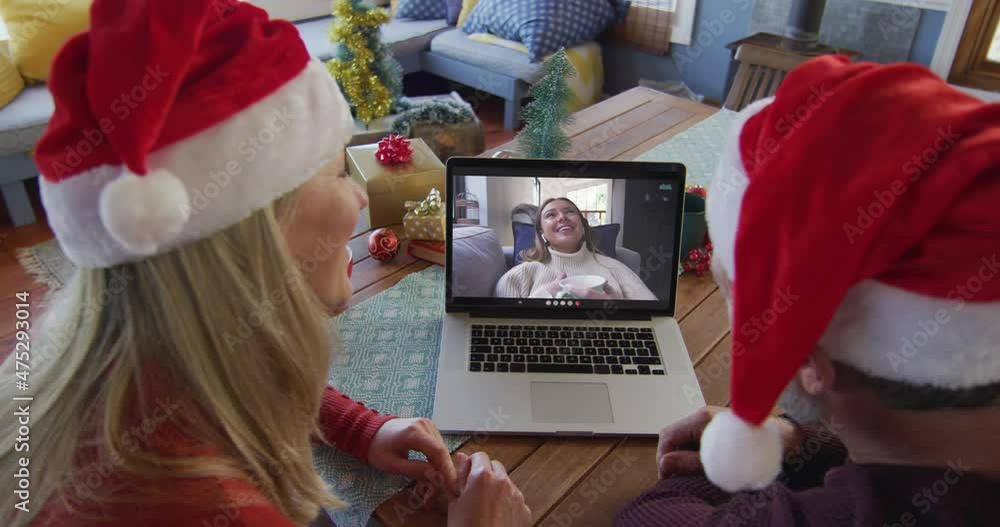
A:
(565, 262)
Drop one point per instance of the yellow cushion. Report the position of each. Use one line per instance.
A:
(467, 6)
(39, 28)
(11, 82)
(588, 82)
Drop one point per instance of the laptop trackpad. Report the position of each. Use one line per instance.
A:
(570, 402)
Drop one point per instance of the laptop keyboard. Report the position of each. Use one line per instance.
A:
(564, 349)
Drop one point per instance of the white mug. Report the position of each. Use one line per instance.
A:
(593, 282)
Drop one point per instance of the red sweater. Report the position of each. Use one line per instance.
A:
(346, 423)
(819, 488)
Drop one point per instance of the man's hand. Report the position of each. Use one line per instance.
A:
(390, 450)
(677, 452)
(489, 498)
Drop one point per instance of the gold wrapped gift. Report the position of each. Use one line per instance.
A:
(424, 220)
(390, 187)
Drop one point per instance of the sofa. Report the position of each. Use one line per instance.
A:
(435, 47)
(429, 45)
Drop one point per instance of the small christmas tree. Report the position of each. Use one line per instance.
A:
(368, 74)
(543, 136)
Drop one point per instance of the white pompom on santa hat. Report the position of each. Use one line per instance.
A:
(175, 120)
(855, 210)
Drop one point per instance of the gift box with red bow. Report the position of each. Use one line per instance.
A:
(391, 179)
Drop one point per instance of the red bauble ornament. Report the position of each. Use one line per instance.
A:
(698, 191)
(394, 150)
(383, 244)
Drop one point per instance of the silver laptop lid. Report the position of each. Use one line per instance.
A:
(618, 225)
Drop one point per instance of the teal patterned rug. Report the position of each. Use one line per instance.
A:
(698, 147)
(391, 345)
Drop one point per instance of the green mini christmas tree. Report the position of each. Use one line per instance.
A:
(543, 136)
(369, 76)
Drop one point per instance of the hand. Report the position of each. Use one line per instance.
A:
(489, 498)
(677, 452)
(609, 293)
(554, 287)
(390, 450)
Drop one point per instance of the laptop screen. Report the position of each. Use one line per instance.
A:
(563, 235)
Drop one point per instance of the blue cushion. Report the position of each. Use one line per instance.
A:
(606, 239)
(422, 9)
(544, 26)
(454, 9)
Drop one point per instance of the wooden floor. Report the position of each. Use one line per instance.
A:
(14, 279)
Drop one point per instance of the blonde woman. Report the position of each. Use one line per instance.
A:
(193, 170)
(565, 247)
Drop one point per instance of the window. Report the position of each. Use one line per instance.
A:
(977, 61)
(593, 203)
(652, 25)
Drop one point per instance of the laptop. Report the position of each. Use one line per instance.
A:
(527, 351)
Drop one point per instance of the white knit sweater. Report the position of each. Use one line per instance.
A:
(529, 279)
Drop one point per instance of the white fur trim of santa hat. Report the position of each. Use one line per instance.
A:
(882, 330)
(204, 183)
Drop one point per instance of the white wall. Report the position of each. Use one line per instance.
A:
(504, 194)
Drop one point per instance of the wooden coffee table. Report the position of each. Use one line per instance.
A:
(585, 481)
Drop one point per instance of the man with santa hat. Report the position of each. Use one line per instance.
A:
(856, 224)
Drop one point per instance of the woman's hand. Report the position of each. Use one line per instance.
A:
(554, 286)
(489, 498)
(677, 452)
(390, 450)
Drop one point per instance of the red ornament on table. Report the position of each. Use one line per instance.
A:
(698, 191)
(383, 244)
(394, 150)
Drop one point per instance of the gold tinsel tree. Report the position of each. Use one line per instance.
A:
(357, 65)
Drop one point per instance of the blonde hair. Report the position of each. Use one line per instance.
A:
(540, 251)
(226, 328)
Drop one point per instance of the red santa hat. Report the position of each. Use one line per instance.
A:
(856, 210)
(175, 119)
